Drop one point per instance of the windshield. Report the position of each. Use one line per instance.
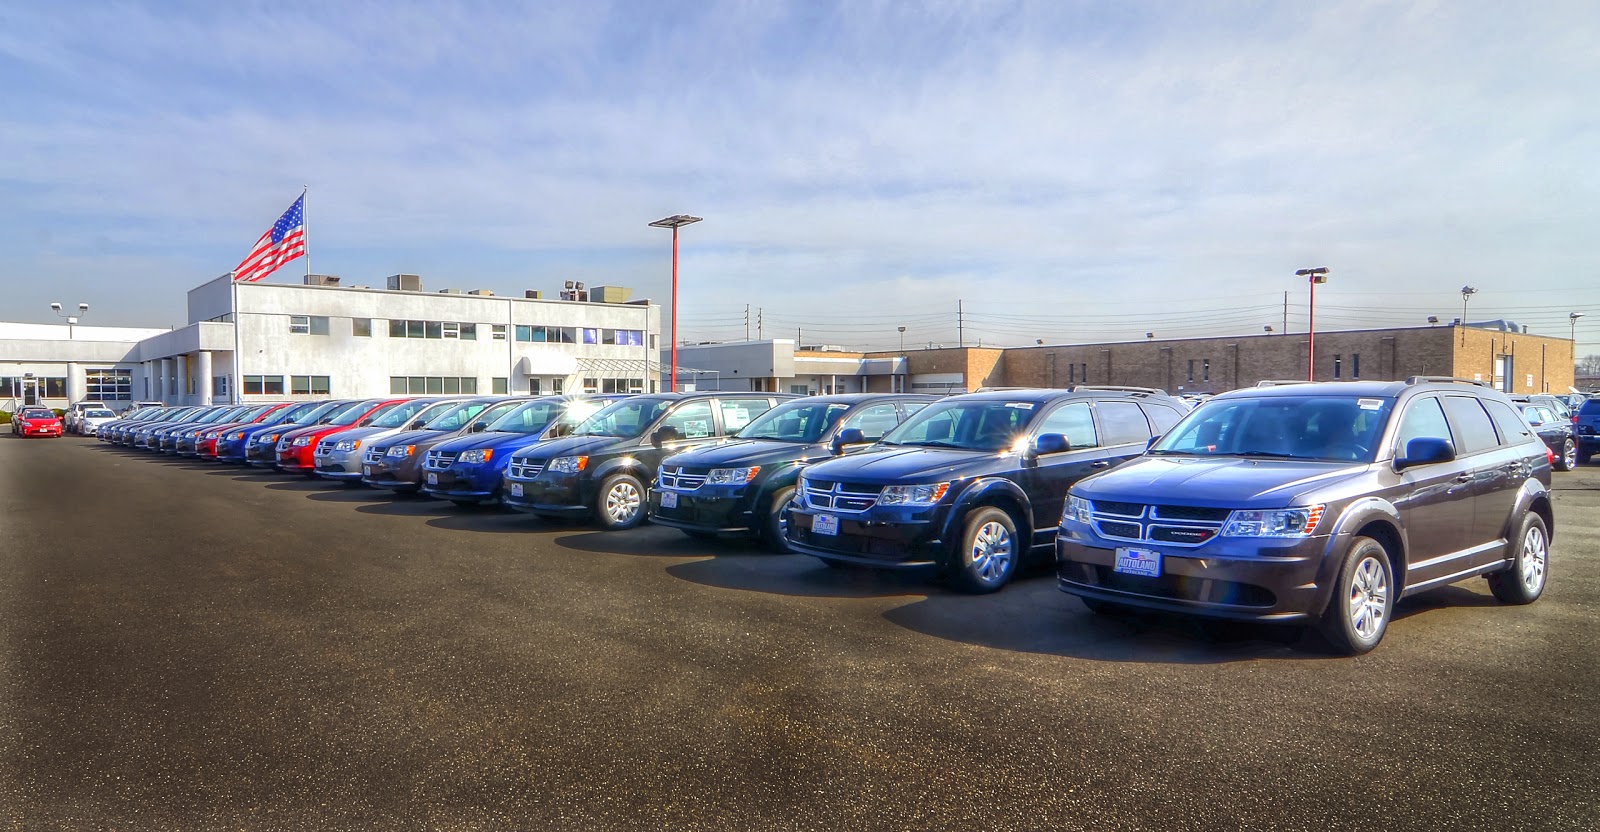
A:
(798, 421)
(986, 425)
(353, 414)
(223, 415)
(401, 414)
(496, 412)
(37, 413)
(98, 414)
(456, 416)
(625, 419)
(292, 412)
(1341, 428)
(312, 416)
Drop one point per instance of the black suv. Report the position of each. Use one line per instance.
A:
(971, 484)
(604, 466)
(1322, 503)
(743, 486)
(1556, 431)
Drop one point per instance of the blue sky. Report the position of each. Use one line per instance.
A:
(1069, 171)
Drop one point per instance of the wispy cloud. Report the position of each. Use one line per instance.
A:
(1077, 160)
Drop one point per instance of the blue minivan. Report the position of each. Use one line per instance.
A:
(469, 469)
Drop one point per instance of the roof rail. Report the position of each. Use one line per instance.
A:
(1445, 380)
(1001, 389)
(1118, 388)
(1276, 382)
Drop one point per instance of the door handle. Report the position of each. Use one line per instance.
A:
(1100, 463)
(1464, 478)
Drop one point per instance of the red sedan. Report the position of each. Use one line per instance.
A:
(36, 421)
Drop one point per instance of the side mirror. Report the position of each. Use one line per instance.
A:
(417, 425)
(848, 436)
(1425, 450)
(662, 436)
(561, 430)
(364, 422)
(479, 427)
(1046, 443)
(1151, 443)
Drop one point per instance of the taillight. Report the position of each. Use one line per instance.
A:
(1549, 455)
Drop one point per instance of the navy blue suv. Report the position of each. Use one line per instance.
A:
(1587, 425)
(972, 484)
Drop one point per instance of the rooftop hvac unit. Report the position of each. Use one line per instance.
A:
(405, 283)
(322, 280)
(610, 294)
(483, 293)
(449, 291)
(533, 294)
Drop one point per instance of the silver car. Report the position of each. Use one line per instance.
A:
(338, 455)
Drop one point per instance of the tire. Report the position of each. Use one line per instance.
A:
(1524, 582)
(775, 524)
(988, 552)
(1363, 599)
(1568, 458)
(620, 503)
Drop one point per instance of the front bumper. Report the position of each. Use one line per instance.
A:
(296, 460)
(476, 481)
(1247, 579)
(885, 537)
(41, 431)
(714, 509)
(339, 465)
(394, 473)
(550, 494)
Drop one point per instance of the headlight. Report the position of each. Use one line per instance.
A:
(347, 445)
(401, 451)
(212, 434)
(191, 434)
(1077, 509)
(1283, 522)
(913, 495)
(476, 456)
(236, 435)
(569, 464)
(267, 439)
(302, 441)
(732, 476)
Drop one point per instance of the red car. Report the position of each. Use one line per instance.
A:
(297, 448)
(206, 444)
(36, 421)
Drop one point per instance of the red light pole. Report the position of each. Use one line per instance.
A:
(1315, 276)
(675, 222)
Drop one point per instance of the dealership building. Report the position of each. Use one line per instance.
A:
(277, 342)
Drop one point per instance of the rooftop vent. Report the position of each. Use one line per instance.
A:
(610, 294)
(405, 282)
(449, 291)
(533, 294)
(322, 280)
(483, 293)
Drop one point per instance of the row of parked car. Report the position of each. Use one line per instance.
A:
(1315, 503)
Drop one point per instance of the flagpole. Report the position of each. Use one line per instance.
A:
(237, 393)
(305, 228)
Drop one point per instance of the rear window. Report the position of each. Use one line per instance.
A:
(1591, 407)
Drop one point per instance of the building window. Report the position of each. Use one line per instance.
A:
(469, 332)
(630, 337)
(361, 327)
(450, 329)
(1355, 365)
(497, 332)
(417, 329)
(299, 324)
(432, 329)
(55, 388)
(798, 389)
(591, 336)
(533, 386)
(432, 385)
(653, 343)
(319, 324)
(1072, 374)
(1338, 365)
(524, 333)
(1191, 370)
(263, 385)
(110, 385)
(557, 385)
(498, 385)
(219, 385)
(308, 385)
(622, 385)
(1205, 369)
(1083, 373)
(591, 385)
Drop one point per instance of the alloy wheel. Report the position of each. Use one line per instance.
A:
(1569, 455)
(991, 551)
(1531, 562)
(1369, 598)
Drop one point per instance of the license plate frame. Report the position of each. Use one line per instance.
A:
(433, 479)
(1133, 560)
(516, 489)
(825, 524)
(669, 499)
(366, 470)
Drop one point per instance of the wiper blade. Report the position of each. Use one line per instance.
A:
(1270, 454)
(938, 443)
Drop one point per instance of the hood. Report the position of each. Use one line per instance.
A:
(575, 446)
(741, 453)
(490, 439)
(1222, 482)
(911, 465)
(413, 437)
(357, 433)
(296, 433)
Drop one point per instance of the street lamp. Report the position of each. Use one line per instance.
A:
(1314, 276)
(1466, 292)
(1572, 321)
(902, 338)
(1268, 329)
(675, 222)
(71, 319)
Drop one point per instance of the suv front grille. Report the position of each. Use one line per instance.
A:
(683, 479)
(1172, 525)
(840, 496)
(374, 455)
(439, 460)
(526, 469)
(325, 447)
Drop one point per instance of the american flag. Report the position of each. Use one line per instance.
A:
(284, 241)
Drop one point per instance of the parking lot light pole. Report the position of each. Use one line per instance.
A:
(675, 222)
(1466, 292)
(71, 319)
(1315, 276)
(1572, 333)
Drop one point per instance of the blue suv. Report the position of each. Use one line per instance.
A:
(470, 469)
(1588, 428)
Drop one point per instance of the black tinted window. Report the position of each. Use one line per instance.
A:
(1591, 407)
(1162, 418)
(1513, 430)
(1471, 426)
(1122, 423)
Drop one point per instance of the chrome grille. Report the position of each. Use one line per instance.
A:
(438, 460)
(839, 496)
(526, 469)
(283, 444)
(374, 455)
(325, 447)
(1167, 525)
(680, 478)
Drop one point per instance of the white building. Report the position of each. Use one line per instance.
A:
(320, 339)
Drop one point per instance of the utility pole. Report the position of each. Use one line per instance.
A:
(747, 322)
(760, 334)
(1286, 312)
(961, 325)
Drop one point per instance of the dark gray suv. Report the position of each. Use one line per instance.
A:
(1321, 503)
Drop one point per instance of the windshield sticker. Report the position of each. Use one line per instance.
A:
(735, 417)
(1370, 404)
(696, 429)
(1020, 405)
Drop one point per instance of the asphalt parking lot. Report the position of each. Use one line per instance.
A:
(187, 646)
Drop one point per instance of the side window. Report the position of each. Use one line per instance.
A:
(1472, 427)
(1075, 422)
(691, 421)
(1424, 418)
(913, 407)
(874, 420)
(1162, 418)
(1513, 429)
(1123, 423)
(736, 413)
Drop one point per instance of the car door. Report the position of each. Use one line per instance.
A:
(1435, 501)
(1519, 450)
(1047, 479)
(686, 425)
(1491, 468)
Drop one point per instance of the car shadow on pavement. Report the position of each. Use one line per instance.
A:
(797, 575)
(646, 541)
(404, 507)
(489, 520)
(300, 484)
(338, 493)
